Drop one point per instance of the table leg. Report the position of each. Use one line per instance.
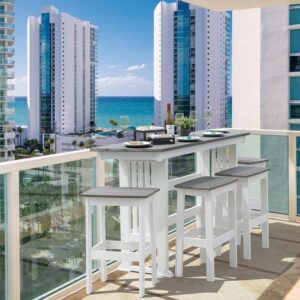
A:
(125, 215)
(161, 212)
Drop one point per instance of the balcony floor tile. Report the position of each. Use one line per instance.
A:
(271, 274)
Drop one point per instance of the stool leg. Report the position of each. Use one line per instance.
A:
(218, 221)
(179, 233)
(239, 212)
(246, 222)
(202, 218)
(142, 252)
(103, 265)
(153, 243)
(264, 206)
(88, 235)
(232, 224)
(209, 236)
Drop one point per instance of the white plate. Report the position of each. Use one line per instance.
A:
(189, 138)
(137, 144)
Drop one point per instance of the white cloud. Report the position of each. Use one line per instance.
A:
(20, 86)
(113, 66)
(136, 67)
(128, 85)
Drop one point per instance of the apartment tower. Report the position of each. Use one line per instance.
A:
(266, 68)
(7, 29)
(61, 71)
(191, 62)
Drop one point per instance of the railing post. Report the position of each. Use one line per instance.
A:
(292, 176)
(13, 237)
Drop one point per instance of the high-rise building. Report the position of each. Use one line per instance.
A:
(61, 72)
(192, 60)
(266, 68)
(7, 29)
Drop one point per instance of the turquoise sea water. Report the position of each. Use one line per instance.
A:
(139, 109)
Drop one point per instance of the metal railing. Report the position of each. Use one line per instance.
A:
(24, 176)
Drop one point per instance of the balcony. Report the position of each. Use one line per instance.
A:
(7, 2)
(48, 239)
(7, 111)
(7, 75)
(7, 148)
(7, 62)
(10, 39)
(4, 86)
(7, 99)
(5, 13)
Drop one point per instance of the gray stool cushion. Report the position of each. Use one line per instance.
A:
(205, 183)
(120, 192)
(242, 171)
(251, 160)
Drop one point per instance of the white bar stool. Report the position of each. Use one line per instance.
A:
(208, 236)
(248, 217)
(130, 250)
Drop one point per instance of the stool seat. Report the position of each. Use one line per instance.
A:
(242, 171)
(119, 192)
(251, 160)
(205, 183)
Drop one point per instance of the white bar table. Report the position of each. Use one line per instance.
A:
(148, 167)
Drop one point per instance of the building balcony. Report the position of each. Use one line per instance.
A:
(7, 99)
(4, 86)
(7, 111)
(7, 75)
(7, 13)
(8, 51)
(7, 148)
(7, 135)
(10, 2)
(7, 62)
(48, 239)
(7, 38)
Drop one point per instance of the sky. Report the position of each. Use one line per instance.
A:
(125, 42)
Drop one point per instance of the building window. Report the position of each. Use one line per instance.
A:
(295, 14)
(295, 64)
(294, 88)
(295, 41)
(294, 111)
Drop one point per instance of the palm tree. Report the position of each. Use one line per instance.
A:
(81, 144)
(51, 142)
(20, 130)
(74, 144)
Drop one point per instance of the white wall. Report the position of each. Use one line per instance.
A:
(163, 60)
(33, 72)
(274, 68)
(246, 68)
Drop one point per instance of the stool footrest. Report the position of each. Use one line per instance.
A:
(196, 237)
(119, 250)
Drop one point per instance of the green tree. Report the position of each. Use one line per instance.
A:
(113, 122)
(81, 144)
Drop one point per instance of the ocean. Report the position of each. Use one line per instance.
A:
(140, 110)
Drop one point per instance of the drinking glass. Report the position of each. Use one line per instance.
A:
(194, 118)
(124, 122)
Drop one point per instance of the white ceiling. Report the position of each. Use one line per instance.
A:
(239, 4)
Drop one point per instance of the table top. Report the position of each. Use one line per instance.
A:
(170, 147)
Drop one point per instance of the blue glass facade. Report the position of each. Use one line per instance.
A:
(45, 73)
(182, 55)
(294, 88)
(295, 14)
(295, 41)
